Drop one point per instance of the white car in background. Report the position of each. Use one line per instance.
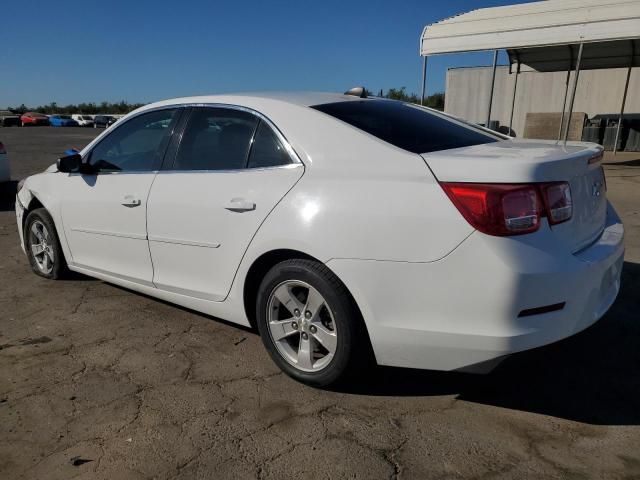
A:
(83, 120)
(339, 226)
(5, 172)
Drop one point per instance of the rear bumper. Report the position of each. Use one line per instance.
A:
(463, 310)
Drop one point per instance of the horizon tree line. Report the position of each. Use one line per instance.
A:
(435, 100)
(89, 108)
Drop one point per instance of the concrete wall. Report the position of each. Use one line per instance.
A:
(599, 91)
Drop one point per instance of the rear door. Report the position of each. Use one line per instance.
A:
(229, 171)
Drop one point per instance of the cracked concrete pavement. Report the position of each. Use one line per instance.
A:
(102, 383)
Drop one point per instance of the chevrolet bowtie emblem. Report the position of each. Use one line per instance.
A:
(595, 191)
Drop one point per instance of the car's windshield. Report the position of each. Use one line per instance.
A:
(66, 117)
(407, 126)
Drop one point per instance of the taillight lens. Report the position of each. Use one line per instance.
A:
(497, 209)
(558, 202)
(510, 209)
(2, 149)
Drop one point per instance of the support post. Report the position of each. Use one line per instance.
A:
(513, 100)
(424, 79)
(564, 104)
(624, 100)
(566, 92)
(493, 81)
(573, 92)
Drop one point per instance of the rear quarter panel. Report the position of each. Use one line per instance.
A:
(359, 197)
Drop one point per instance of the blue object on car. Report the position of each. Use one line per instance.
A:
(71, 151)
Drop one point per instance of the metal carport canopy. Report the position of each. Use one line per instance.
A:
(548, 36)
(540, 34)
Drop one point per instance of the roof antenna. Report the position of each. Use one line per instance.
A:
(357, 92)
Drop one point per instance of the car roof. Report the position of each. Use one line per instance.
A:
(309, 132)
(305, 99)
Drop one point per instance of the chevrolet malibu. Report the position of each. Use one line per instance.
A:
(343, 228)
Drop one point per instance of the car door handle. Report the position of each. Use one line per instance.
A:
(240, 205)
(131, 201)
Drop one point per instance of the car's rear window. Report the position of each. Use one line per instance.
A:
(406, 126)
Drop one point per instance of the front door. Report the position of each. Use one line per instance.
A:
(104, 213)
(230, 170)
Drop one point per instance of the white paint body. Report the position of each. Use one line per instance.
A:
(83, 120)
(433, 292)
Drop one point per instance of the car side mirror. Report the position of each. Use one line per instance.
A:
(70, 163)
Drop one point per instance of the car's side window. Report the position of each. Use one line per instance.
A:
(266, 149)
(137, 145)
(216, 139)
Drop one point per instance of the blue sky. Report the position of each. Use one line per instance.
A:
(71, 51)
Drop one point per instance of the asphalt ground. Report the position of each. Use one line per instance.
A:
(98, 382)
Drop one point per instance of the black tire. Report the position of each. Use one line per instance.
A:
(353, 351)
(59, 265)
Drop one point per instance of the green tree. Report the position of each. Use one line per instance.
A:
(91, 108)
(19, 110)
(434, 101)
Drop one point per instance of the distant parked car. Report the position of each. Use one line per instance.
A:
(5, 174)
(62, 121)
(83, 120)
(103, 121)
(33, 118)
(8, 118)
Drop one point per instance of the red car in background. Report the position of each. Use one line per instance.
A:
(33, 118)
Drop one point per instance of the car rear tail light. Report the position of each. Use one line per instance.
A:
(510, 209)
(558, 202)
(2, 149)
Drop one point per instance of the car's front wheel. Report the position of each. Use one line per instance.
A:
(43, 245)
(309, 323)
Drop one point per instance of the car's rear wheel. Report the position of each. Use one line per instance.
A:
(309, 323)
(43, 245)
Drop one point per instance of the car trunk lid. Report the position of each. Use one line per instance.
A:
(533, 161)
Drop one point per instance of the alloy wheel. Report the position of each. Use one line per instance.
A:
(302, 325)
(41, 245)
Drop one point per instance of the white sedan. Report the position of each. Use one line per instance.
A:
(83, 120)
(5, 172)
(344, 228)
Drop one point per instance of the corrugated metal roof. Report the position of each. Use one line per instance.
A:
(551, 23)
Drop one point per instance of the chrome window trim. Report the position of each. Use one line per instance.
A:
(290, 150)
(115, 172)
(233, 170)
